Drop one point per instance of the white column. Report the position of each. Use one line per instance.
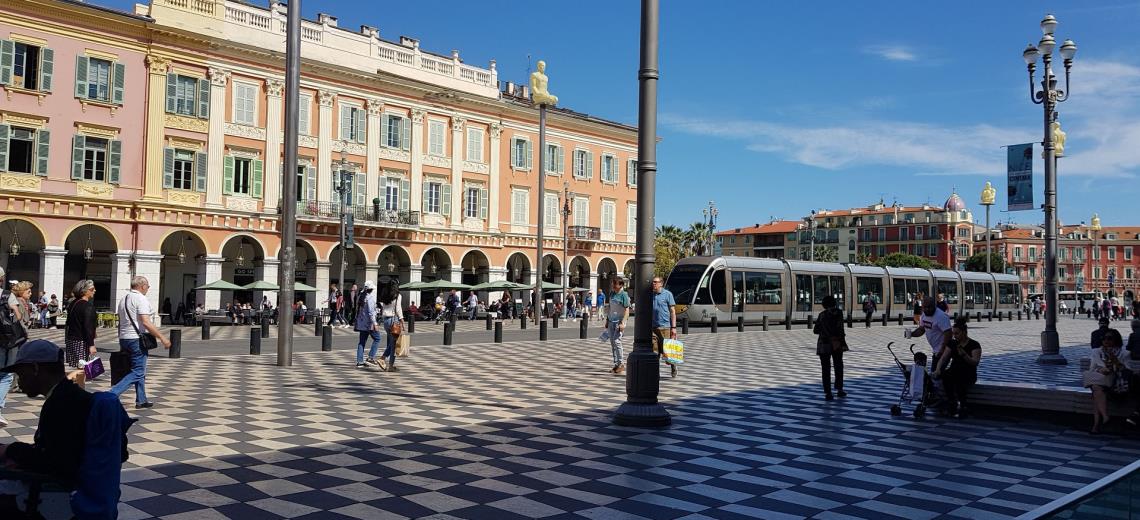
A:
(269, 271)
(51, 269)
(457, 141)
(209, 270)
(322, 284)
(493, 189)
(120, 276)
(217, 137)
(415, 274)
(149, 264)
(594, 284)
(273, 171)
(375, 108)
(418, 150)
(324, 148)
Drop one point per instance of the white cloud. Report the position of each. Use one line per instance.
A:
(892, 52)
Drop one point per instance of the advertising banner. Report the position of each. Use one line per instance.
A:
(1019, 168)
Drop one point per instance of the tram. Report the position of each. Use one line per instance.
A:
(729, 287)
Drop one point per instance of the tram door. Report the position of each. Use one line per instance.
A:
(737, 295)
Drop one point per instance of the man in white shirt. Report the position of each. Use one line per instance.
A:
(935, 326)
(134, 318)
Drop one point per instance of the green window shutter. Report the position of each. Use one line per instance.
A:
(360, 190)
(384, 129)
(7, 58)
(560, 164)
(5, 130)
(529, 151)
(383, 195)
(78, 143)
(483, 204)
(47, 68)
(361, 125)
(589, 165)
(405, 133)
(258, 177)
(405, 194)
(514, 153)
(424, 203)
(345, 125)
(445, 197)
(228, 175)
(201, 168)
(81, 77)
(43, 148)
(120, 81)
(203, 98)
(168, 168)
(310, 183)
(114, 161)
(171, 92)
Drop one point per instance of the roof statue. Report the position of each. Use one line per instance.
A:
(1058, 139)
(538, 87)
(988, 194)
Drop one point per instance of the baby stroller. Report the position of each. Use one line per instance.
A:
(917, 389)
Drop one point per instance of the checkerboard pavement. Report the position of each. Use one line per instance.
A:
(523, 431)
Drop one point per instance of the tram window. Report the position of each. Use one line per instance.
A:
(979, 294)
(821, 289)
(837, 290)
(803, 292)
(688, 282)
(949, 292)
(762, 289)
(924, 287)
(1006, 294)
(911, 292)
(968, 294)
(874, 286)
(717, 288)
(989, 292)
(900, 292)
(737, 291)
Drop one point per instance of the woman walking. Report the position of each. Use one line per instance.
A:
(830, 346)
(391, 312)
(365, 324)
(79, 336)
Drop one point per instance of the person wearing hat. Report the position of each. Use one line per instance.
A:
(366, 324)
(1098, 334)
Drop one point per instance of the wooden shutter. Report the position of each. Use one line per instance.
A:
(424, 204)
(561, 159)
(405, 194)
(81, 77)
(384, 129)
(5, 131)
(345, 123)
(405, 133)
(115, 158)
(167, 168)
(515, 152)
(7, 59)
(171, 93)
(383, 195)
(311, 183)
(529, 154)
(445, 197)
(482, 203)
(631, 173)
(589, 165)
(201, 168)
(361, 125)
(78, 144)
(119, 82)
(47, 68)
(361, 189)
(203, 98)
(258, 177)
(228, 175)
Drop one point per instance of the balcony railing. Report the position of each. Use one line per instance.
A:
(361, 214)
(584, 233)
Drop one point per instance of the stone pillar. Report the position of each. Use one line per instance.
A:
(416, 180)
(324, 149)
(217, 146)
(120, 276)
(269, 271)
(496, 274)
(415, 274)
(155, 124)
(51, 270)
(457, 142)
(322, 285)
(493, 189)
(594, 284)
(372, 168)
(149, 264)
(273, 165)
(209, 270)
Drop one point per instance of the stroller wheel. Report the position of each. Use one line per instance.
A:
(896, 410)
(919, 412)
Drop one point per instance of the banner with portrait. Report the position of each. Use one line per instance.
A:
(1019, 168)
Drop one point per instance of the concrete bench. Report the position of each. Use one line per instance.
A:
(1065, 398)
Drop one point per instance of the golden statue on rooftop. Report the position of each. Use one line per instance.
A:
(988, 194)
(538, 87)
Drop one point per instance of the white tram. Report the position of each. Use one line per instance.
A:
(789, 290)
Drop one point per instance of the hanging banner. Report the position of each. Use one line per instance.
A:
(1019, 168)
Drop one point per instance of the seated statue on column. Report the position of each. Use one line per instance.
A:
(538, 86)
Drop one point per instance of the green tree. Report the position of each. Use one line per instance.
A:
(697, 239)
(977, 263)
(907, 260)
(864, 259)
(667, 256)
(826, 254)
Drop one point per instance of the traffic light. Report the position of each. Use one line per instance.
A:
(346, 234)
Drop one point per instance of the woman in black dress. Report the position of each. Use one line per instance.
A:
(830, 346)
(79, 338)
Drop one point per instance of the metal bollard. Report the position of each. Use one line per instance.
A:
(411, 319)
(205, 328)
(255, 342)
(849, 322)
(811, 322)
(764, 323)
(685, 325)
(555, 318)
(498, 332)
(175, 344)
(489, 321)
(1000, 316)
(1018, 315)
(522, 322)
(787, 323)
(542, 330)
(991, 316)
(326, 339)
(454, 319)
(265, 325)
(447, 328)
(978, 316)
(740, 324)
(582, 326)
(1009, 316)
(900, 318)
(884, 319)
(712, 324)
(318, 323)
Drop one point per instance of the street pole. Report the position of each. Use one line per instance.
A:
(288, 254)
(643, 379)
(342, 193)
(565, 241)
(541, 208)
(811, 228)
(988, 252)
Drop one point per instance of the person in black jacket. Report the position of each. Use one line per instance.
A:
(79, 336)
(830, 346)
(1098, 335)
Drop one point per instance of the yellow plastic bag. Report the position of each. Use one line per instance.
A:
(674, 352)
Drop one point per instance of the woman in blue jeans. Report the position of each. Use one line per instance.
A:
(366, 325)
(391, 311)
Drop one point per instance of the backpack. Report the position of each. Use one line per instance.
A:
(12, 332)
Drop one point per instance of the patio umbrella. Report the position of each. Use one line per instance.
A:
(261, 285)
(219, 285)
(411, 286)
(443, 285)
(300, 287)
(498, 285)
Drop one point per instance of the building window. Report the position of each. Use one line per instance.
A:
(304, 109)
(1127, 273)
(436, 138)
(583, 164)
(932, 250)
(519, 202)
(963, 232)
(1112, 253)
(882, 234)
(1096, 253)
(1079, 254)
(555, 161)
(391, 193)
(1032, 272)
(631, 172)
(26, 66)
(609, 168)
(187, 96)
(889, 219)
(521, 153)
(903, 232)
(353, 123)
(1128, 253)
(94, 159)
(1032, 254)
(475, 202)
(185, 170)
(550, 206)
(1017, 254)
(918, 232)
(475, 145)
(882, 251)
(437, 198)
(24, 150)
(608, 216)
(581, 211)
(239, 175)
(396, 132)
(631, 221)
(99, 80)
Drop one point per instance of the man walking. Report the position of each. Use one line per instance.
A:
(601, 299)
(334, 312)
(869, 308)
(472, 306)
(616, 315)
(134, 318)
(350, 304)
(664, 320)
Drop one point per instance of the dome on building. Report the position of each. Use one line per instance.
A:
(954, 203)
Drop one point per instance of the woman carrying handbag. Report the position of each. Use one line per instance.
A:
(391, 312)
(1106, 375)
(830, 346)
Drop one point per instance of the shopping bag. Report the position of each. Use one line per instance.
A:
(403, 345)
(93, 368)
(674, 352)
(120, 365)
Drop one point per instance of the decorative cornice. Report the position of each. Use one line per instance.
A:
(218, 77)
(418, 116)
(375, 107)
(184, 198)
(241, 204)
(17, 182)
(97, 130)
(395, 154)
(457, 124)
(94, 190)
(157, 65)
(191, 124)
(274, 88)
(349, 147)
(435, 160)
(326, 98)
(246, 131)
(308, 141)
(471, 166)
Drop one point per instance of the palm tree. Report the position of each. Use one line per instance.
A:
(671, 234)
(697, 238)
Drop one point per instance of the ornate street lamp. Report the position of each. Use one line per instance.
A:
(988, 195)
(1053, 144)
(88, 253)
(241, 254)
(182, 251)
(14, 247)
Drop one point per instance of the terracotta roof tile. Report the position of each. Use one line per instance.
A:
(779, 226)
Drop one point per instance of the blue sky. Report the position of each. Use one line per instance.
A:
(775, 108)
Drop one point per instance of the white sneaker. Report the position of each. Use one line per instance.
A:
(3, 422)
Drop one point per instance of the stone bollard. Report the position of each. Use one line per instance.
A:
(489, 321)
(764, 323)
(712, 324)
(255, 341)
(318, 323)
(498, 332)
(175, 344)
(326, 338)
(583, 327)
(205, 328)
(522, 322)
(740, 324)
(265, 325)
(542, 330)
(411, 319)
(555, 319)
(685, 325)
(447, 328)
(810, 322)
(884, 319)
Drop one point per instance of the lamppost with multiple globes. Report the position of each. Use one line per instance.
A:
(1048, 97)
